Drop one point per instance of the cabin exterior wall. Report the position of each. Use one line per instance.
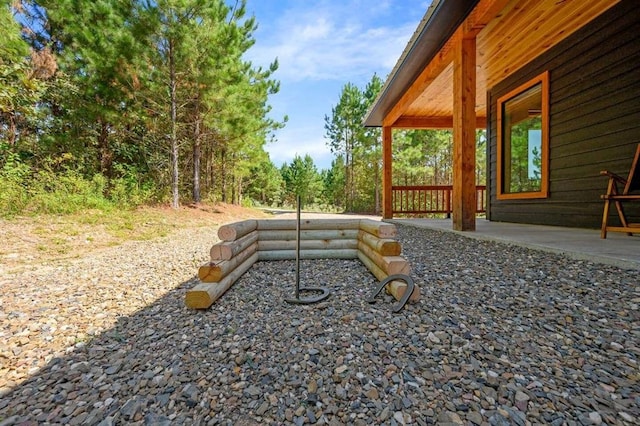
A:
(594, 120)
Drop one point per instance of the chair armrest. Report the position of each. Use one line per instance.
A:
(613, 176)
(632, 197)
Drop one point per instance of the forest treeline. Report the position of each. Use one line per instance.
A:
(114, 103)
(137, 101)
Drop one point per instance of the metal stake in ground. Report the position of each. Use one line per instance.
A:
(324, 292)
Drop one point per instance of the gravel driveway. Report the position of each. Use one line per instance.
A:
(502, 335)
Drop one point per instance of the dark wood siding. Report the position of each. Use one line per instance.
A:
(594, 120)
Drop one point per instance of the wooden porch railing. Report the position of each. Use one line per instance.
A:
(421, 199)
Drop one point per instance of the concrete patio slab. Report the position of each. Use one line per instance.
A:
(584, 244)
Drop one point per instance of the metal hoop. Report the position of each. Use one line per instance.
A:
(405, 297)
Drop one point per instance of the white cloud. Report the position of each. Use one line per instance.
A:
(321, 45)
(296, 141)
(334, 43)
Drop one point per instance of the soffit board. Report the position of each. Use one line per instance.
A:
(523, 31)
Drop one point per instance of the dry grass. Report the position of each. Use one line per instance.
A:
(35, 239)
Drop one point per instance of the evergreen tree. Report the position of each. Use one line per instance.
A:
(360, 148)
(334, 183)
(343, 131)
(301, 178)
(20, 86)
(266, 183)
(138, 89)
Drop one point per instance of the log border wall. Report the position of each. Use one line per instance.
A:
(246, 242)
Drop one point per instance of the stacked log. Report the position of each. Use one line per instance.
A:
(320, 239)
(228, 249)
(243, 243)
(230, 258)
(233, 231)
(381, 255)
(218, 269)
(205, 294)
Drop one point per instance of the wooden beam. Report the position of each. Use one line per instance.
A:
(412, 122)
(384, 246)
(479, 17)
(273, 245)
(426, 77)
(389, 264)
(379, 229)
(307, 224)
(396, 288)
(308, 254)
(310, 234)
(387, 201)
(464, 135)
(214, 272)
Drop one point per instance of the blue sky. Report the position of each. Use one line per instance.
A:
(321, 45)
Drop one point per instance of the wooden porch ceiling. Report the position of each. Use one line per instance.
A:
(510, 34)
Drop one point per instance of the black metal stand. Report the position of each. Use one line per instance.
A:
(324, 292)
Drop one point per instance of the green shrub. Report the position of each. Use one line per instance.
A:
(66, 193)
(14, 195)
(23, 191)
(129, 189)
(248, 202)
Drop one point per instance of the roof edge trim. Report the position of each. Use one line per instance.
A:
(439, 23)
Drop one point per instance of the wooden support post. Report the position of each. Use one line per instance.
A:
(464, 133)
(387, 182)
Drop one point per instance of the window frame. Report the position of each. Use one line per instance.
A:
(543, 80)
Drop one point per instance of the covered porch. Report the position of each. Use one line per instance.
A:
(582, 244)
(457, 54)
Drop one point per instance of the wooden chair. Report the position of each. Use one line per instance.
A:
(630, 192)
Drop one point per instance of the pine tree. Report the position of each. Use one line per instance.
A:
(20, 85)
(358, 147)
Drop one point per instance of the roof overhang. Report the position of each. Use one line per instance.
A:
(509, 35)
(436, 27)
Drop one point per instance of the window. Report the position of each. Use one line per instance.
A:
(523, 140)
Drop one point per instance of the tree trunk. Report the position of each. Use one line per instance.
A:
(196, 171)
(175, 203)
(210, 169)
(347, 173)
(106, 156)
(239, 191)
(234, 199)
(13, 128)
(223, 176)
(196, 155)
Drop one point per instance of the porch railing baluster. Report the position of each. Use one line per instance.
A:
(426, 199)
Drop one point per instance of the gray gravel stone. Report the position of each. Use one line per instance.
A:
(502, 335)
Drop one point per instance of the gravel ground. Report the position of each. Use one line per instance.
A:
(502, 335)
